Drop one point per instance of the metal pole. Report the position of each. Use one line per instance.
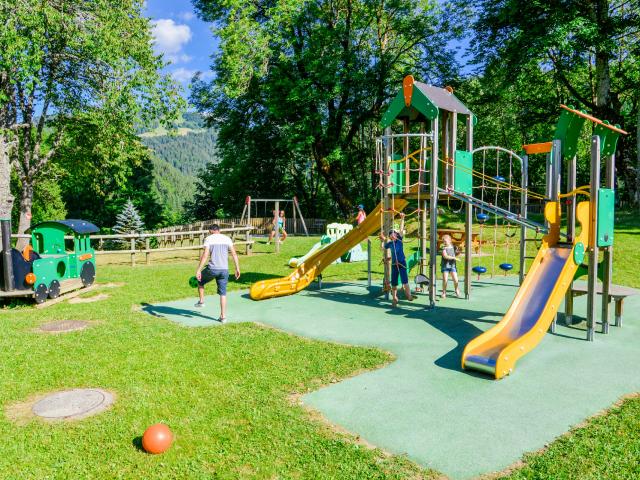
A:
(571, 232)
(607, 260)
(523, 213)
(405, 153)
(386, 220)
(369, 264)
(593, 248)
(433, 215)
(453, 142)
(276, 226)
(8, 283)
(468, 221)
(553, 184)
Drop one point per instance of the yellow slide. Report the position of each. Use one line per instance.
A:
(497, 350)
(304, 274)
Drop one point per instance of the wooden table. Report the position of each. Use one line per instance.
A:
(617, 292)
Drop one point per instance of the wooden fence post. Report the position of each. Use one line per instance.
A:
(147, 253)
(133, 252)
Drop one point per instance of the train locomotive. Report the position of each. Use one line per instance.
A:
(59, 259)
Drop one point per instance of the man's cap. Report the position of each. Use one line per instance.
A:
(214, 227)
(361, 207)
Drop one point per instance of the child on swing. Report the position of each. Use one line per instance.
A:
(448, 265)
(398, 262)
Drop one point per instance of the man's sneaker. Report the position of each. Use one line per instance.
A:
(199, 304)
(222, 320)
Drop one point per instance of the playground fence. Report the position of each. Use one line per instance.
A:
(167, 241)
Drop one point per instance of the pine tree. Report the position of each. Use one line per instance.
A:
(128, 221)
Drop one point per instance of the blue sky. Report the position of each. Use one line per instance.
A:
(184, 39)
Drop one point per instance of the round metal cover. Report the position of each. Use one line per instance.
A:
(64, 326)
(73, 404)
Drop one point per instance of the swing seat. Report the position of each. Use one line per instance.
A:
(506, 267)
(482, 217)
(421, 280)
(499, 178)
(479, 270)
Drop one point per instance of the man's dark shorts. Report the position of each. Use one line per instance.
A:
(221, 277)
(399, 270)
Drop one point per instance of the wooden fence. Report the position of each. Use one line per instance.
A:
(148, 243)
(261, 225)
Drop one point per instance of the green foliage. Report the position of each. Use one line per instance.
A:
(188, 153)
(584, 53)
(103, 167)
(300, 87)
(76, 60)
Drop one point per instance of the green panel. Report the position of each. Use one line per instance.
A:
(608, 139)
(425, 106)
(606, 208)
(413, 260)
(570, 142)
(397, 176)
(463, 178)
(48, 239)
(563, 124)
(394, 109)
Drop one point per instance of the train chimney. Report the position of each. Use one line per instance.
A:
(7, 264)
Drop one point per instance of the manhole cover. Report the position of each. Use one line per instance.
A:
(64, 326)
(73, 404)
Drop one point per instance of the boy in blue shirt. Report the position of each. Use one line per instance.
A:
(398, 262)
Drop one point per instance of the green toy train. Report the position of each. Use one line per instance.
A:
(58, 260)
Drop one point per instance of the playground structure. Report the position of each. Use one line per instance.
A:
(334, 232)
(252, 205)
(59, 259)
(423, 165)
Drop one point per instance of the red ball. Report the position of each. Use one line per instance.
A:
(157, 438)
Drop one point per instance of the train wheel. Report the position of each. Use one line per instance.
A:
(88, 274)
(41, 293)
(54, 289)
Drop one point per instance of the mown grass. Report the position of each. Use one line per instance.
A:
(227, 392)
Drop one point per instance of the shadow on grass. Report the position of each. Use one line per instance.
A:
(163, 311)
(137, 443)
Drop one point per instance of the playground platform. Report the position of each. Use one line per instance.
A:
(423, 405)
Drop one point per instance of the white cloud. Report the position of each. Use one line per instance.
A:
(169, 39)
(186, 16)
(184, 75)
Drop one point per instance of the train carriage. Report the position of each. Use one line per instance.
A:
(58, 260)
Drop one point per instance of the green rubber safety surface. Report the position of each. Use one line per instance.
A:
(422, 404)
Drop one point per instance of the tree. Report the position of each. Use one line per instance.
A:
(128, 222)
(101, 167)
(61, 59)
(316, 75)
(590, 48)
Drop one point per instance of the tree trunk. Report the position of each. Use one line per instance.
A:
(26, 202)
(6, 199)
(336, 185)
(636, 194)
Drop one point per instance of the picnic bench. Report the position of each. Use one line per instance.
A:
(458, 238)
(616, 292)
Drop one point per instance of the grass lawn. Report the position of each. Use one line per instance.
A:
(227, 392)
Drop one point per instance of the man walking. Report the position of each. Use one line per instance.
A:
(216, 246)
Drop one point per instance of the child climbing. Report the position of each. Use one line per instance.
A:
(448, 265)
(398, 262)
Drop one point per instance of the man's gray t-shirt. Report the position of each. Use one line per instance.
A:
(219, 246)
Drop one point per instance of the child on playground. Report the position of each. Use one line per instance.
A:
(448, 265)
(361, 214)
(278, 223)
(398, 262)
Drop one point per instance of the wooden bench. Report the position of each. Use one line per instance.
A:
(617, 292)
